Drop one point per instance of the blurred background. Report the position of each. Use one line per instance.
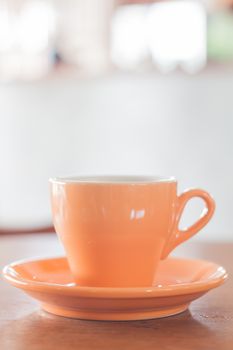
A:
(115, 87)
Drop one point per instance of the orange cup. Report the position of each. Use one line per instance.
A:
(115, 230)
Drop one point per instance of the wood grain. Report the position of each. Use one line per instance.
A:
(208, 325)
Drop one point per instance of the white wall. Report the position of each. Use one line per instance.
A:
(147, 123)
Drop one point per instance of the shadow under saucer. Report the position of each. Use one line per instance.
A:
(40, 330)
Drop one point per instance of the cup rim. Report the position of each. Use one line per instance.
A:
(112, 179)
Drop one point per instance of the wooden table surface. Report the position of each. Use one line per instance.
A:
(207, 325)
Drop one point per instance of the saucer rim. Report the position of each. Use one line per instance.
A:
(112, 292)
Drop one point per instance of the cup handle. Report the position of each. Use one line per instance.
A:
(179, 236)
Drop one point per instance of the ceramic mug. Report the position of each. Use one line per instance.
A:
(115, 230)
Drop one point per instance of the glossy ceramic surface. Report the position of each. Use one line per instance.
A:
(115, 230)
(178, 283)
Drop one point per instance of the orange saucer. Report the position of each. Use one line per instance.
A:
(178, 283)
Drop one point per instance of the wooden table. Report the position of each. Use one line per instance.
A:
(207, 325)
